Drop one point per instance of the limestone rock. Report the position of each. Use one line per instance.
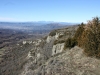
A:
(58, 48)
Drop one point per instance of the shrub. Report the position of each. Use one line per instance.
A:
(91, 38)
(53, 33)
(58, 41)
(79, 33)
(70, 42)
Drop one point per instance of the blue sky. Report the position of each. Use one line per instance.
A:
(49, 10)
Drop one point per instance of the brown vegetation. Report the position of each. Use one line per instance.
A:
(53, 33)
(70, 42)
(79, 33)
(91, 38)
(88, 37)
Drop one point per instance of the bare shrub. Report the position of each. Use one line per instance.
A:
(90, 39)
(53, 33)
(70, 42)
(79, 33)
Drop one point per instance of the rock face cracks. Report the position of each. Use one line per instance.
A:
(58, 48)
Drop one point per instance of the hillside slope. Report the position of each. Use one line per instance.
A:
(50, 58)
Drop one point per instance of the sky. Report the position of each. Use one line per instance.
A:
(49, 10)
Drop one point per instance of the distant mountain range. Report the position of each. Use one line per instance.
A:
(38, 22)
(39, 25)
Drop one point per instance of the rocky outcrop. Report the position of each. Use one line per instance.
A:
(24, 42)
(49, 38)
(58, 48)
(55, 37)
(43, 52)
(50, 59)
(70, 62)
